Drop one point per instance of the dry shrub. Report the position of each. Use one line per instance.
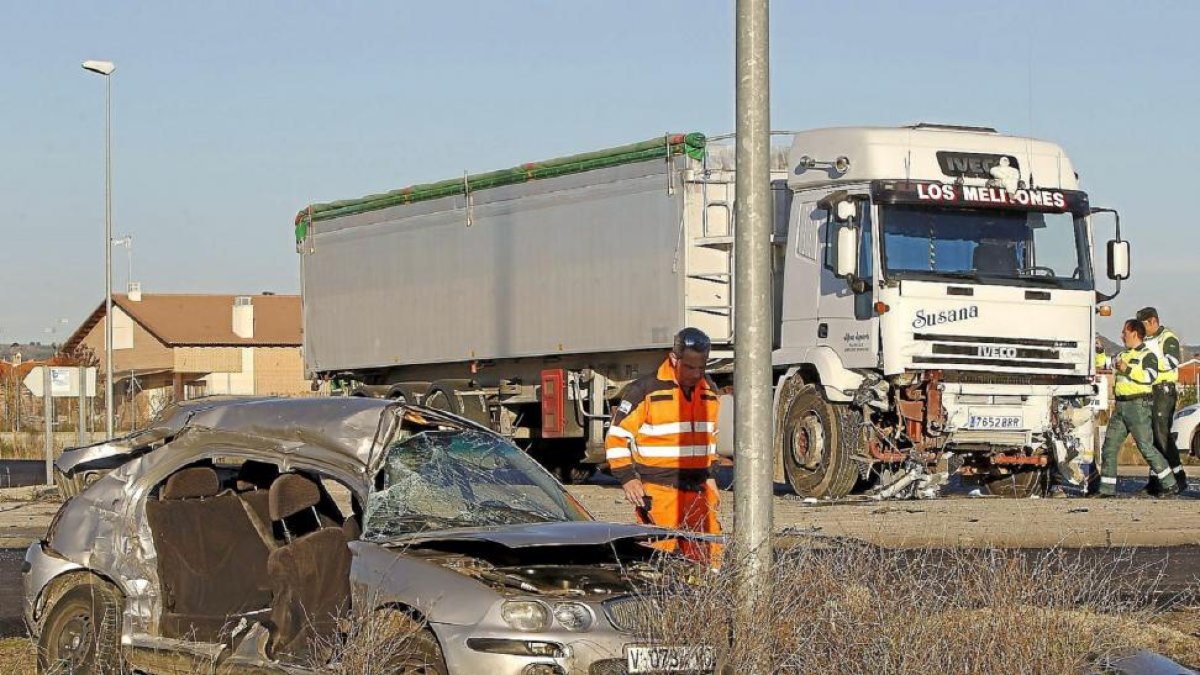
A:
(380, 642)
(843, 607)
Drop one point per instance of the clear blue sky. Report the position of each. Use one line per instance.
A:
(230, 116)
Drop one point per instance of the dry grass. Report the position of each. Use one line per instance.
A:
(848, 608)
(18, 656)
(842, 607)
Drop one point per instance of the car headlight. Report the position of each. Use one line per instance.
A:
(1186, 412)
(525, 615)
(573, 616)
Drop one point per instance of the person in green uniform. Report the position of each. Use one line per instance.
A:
(1136, 371)
(1164, 344)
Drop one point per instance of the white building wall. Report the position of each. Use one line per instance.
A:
(235, 384)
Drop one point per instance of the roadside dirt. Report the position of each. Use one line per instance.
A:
(962, 521)
(25, 513)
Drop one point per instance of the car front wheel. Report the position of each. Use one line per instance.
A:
(410, 647)
(81, 632)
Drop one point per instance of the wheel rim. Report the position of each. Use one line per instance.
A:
(438, 401)
(807, 443)
(75, 640)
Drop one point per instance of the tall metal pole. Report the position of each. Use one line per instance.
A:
(753, 428)
(108, 318)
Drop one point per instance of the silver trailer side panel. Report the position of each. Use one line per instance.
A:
(584, 263)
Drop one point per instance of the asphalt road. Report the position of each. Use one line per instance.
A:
(11, 624)
(22, 472)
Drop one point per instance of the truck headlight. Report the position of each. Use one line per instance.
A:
(525, 615)
(573, 616)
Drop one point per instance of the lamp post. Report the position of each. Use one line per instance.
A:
(106, 69)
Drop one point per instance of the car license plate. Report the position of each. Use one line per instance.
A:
(669, 659)
(995, 422)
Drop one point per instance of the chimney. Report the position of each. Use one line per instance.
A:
(135, 291)
(243, 317)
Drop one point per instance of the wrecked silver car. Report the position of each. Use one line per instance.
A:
(263, 529)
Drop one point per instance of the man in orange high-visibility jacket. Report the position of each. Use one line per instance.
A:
(662, 444)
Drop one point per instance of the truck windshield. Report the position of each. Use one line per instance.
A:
(1023, 248)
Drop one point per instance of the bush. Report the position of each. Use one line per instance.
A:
(849, 608)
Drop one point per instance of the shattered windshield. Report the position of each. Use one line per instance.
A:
(439, 480)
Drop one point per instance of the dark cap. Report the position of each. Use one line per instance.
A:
(1147, 313)
(692, 339)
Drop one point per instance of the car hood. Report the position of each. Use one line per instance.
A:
(571, 533)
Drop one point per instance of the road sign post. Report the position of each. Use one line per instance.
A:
(81, 422)
(48, 423)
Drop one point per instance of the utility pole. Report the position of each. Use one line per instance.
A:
(753, 427)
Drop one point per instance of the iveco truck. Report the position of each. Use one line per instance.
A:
(933, 288)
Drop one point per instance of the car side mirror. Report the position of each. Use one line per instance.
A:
(1118, 260)
(846, 261)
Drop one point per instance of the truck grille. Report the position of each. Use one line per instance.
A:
(984, 352)
(630, 614)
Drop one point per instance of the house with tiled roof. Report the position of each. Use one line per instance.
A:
(180, 346)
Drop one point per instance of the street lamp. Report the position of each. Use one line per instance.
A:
(106, 69)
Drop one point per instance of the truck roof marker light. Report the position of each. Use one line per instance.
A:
(1104, 310)
(881, 307)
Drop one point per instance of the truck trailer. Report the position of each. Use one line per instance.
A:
(933, 292)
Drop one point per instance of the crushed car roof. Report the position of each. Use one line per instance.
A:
(347, 426)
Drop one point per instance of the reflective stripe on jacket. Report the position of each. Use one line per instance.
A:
(1139, 379)
(1165, 347)
(662, 436)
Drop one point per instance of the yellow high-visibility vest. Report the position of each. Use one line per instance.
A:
(1143, 371)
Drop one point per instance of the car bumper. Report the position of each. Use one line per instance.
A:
(600, 651)
(37, 571)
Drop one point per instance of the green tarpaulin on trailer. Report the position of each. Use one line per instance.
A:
(663, 146)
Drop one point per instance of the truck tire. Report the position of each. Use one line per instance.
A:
(1018, 484)
(81, 632)
(408, 392)
(818, 444)
(446, 395)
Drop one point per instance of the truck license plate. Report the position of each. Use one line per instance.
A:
(669, 659)
(995, 422)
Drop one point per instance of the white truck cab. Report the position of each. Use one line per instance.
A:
(938, 308)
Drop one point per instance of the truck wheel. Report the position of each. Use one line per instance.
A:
(1020, 484)
(81, 632)
(444, 395)
(818, 443)
(574, 473)
(408, 392)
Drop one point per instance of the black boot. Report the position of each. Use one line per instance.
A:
(1153, 486)
(1181, 484)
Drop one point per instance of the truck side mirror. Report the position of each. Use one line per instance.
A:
(847, 251)
(1118, 260)
(1118, 255)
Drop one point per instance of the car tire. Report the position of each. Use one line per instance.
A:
(81, 632)
(417, 651)
(1019, 484)
(1196, 443)
(817, 445)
